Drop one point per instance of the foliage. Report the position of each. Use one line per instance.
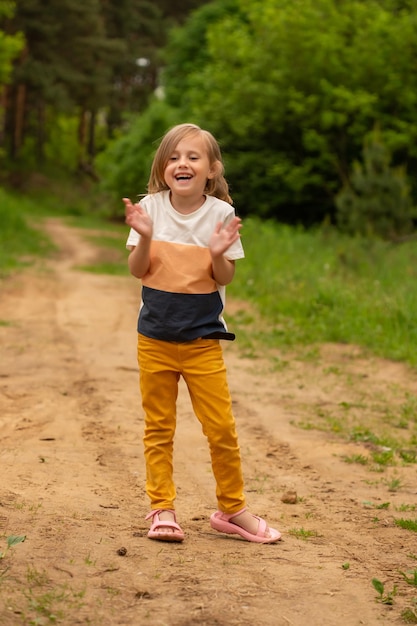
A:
(302, 533)
(10, 45)
(377, 200)
(383, 596)
(407, 524)
(410, 577)
(51, 77)
(186, 53)
(409, 615)
(124, 165)
(291, 102)
(84, 58)
(124, 169)
(13, 540)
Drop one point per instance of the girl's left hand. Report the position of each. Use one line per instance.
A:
(137, 218)
(224, 236)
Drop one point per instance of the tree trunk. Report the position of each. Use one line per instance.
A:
(19, 120)
(92, 136)
(82, 133)
(86, 144)
(40, 136)
(4, 96)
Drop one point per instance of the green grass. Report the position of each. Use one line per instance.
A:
(22, 239)
(302, 533)
(109, 268)
(407, 524)
(319, 286)
(20, 242)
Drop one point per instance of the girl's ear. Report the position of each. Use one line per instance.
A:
(214, 170)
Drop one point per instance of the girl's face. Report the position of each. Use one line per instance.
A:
(188, 168)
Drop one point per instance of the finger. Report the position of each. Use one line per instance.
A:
(234, 224)
(237, 223)
(128, 206)
(233, 232)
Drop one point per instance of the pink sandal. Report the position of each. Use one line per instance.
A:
(222, 522)
(157, 524)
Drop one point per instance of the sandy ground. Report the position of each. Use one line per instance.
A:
(72, 475)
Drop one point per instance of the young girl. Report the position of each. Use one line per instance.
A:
(184, 241)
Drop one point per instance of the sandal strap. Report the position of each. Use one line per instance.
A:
(229, 516)
(262, 525)
(164, 524)
(262, 528)
(152, 514)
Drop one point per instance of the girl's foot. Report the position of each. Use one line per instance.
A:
(243, 523)
(247, 521)
(164, 526)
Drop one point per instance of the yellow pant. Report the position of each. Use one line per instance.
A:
(201, 364)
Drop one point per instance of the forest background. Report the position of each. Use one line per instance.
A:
(314, 103)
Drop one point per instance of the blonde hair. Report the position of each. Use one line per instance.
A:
(216, 186)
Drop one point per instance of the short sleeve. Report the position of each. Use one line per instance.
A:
(132, 240)
(235, 251)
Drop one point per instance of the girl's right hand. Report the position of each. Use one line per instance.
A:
(137, 218)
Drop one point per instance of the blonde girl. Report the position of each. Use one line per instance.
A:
(184, 241)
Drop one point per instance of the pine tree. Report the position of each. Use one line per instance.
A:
(63, 65)
(377, 201)
(82, 57)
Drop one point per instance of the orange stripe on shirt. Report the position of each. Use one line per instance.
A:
(179, 268)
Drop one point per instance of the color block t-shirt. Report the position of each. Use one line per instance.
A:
(181, 300)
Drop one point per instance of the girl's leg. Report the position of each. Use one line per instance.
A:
(159, 388)
(204, 372)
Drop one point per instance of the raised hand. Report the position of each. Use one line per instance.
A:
(137, 218)
(224, 236)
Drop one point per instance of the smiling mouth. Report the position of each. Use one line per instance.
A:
(183, 177)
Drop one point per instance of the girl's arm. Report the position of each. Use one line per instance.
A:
(139, 259)
(223, 270)
(220, 242)
(138, 219)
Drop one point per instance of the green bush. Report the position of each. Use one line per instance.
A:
(291, 101)
(125, 165)
(377, 200)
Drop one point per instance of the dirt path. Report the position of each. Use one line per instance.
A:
(72, 476)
